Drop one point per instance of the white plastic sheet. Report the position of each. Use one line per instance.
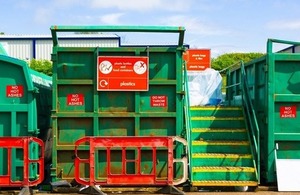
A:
(205, 88)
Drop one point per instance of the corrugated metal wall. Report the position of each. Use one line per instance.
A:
(41, 48)
(44, 47)
(21, 49)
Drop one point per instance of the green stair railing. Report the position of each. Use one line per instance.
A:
(187, 113)
(251, 119)
(243, 89)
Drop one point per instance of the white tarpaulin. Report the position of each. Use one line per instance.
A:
(205, 87)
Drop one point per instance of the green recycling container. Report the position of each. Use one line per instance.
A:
(119, 91)
(274, 85)
(25, 110)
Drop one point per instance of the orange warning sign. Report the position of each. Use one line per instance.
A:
(122, 73)
(197, 59)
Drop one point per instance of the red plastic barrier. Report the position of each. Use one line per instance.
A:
(137, 178)
(10, 143)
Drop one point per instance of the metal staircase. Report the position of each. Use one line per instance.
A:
(220, 148)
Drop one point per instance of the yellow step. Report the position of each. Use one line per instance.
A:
(205, 130)
(220, 155)
(224, 183)
(212, 118)
(227, 143)
(223, 169)
(214, 108)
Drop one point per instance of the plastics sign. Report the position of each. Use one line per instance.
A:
(120, 73)
(197, 59)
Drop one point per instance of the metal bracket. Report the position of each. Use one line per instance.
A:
(170, 190)
(91, 190)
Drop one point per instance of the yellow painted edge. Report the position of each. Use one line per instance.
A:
(215, 108)
(224, 183)
(205, 118)
(223, 169)
(204, 130)
(237, 143)
(218, 155)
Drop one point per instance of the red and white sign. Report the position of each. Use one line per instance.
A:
(197, 59)
(14, 91)
(288, 111)
(120, 73)
(159, 101)
(75, 99)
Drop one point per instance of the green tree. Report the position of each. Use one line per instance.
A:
(43, 66)
(228, 59)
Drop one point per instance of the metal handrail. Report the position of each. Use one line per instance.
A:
(250, 113)
(251, 116)
(187, 113)
(270, 43)
(229, 67)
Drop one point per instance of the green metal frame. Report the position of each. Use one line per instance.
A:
(150, 29)
(187, 113)
(19, 115)
(74, 72)
(272, 83)
(253, 128)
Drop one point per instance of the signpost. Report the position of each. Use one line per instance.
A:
(122, 73)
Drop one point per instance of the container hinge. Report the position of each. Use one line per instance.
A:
(266, 68)
(53, 57)
(266, 119)
(182, 93)
(35, 90)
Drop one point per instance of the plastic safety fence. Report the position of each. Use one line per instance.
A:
(12, 145)
(124, 176)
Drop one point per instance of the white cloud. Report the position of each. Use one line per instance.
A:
(194, 25)
(43, 15)
(23, 4)
(141, 6)
(284, 25)
(112, 19)
(67, 3)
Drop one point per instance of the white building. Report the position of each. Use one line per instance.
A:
(26, 47)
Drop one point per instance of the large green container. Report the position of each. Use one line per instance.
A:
(25, 108)
(81, 107)
(274, 83)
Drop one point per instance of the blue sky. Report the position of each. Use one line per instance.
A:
(224, 26)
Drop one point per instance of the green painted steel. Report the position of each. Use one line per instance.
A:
(114, 113)
(275, 93)
(25, 105)
(220, 151)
